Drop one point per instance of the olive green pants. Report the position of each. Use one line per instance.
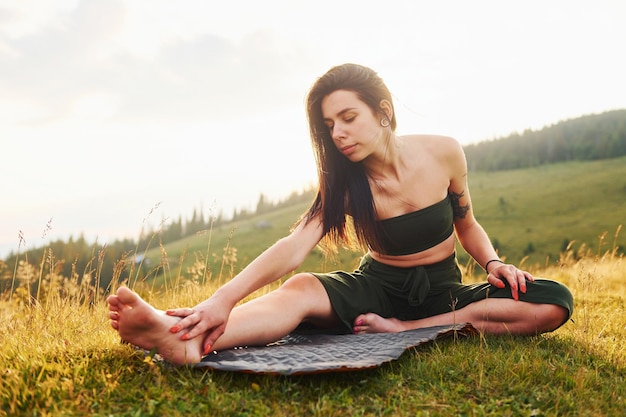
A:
(422, 291)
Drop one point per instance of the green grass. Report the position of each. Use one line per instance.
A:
(59, 357)
(550, 205)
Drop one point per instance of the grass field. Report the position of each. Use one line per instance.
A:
(549, 206)
(59, 357)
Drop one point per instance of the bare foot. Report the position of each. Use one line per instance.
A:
(140, 324)
(373, 323)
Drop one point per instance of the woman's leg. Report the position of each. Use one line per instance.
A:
(490, 316)
(259, 321)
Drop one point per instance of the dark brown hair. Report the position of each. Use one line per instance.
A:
(343, 185)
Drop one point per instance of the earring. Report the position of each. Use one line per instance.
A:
(385, 122)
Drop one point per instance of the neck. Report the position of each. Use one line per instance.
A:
(386, 162)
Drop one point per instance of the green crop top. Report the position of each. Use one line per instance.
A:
(419, 230)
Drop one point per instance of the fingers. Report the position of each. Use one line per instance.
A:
(185, 323)
(199, 327)
(499, 282)
(179, 312)
(514, 277)
(210, 340)
(197, 321)
(195, 327)
(187, 318)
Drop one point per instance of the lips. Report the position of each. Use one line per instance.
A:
(347, 150)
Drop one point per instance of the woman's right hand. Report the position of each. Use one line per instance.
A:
(208, 318)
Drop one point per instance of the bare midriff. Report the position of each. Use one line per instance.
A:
(429, 256)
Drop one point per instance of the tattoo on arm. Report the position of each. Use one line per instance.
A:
(458, 210)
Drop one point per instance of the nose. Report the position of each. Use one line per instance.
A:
(338, 133)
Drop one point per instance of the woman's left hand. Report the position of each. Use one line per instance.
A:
(515, 277)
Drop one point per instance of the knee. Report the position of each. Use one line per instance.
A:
(554, 317)
(301, 282)
(310, 296)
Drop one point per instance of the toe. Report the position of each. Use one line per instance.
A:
(127, 297)
(113, 302)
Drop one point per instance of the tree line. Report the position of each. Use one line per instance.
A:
(591, 137)
(79, 259)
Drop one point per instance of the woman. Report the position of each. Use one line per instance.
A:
(408, 200)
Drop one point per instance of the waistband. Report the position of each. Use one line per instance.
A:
(413, 283)
(443, 264)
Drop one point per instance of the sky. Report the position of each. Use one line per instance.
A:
(117, 115)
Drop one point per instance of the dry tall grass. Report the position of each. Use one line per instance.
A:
(55, 325)
(46, 312)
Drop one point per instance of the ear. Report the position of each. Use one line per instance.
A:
(386, 107)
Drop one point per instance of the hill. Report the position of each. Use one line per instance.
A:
(537, 212)
(586, 138)
(532, 215)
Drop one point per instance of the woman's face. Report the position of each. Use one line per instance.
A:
(354, 127)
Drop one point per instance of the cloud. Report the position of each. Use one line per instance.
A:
(22, 18)
(212, 78)
(82, 60)
(49, 68)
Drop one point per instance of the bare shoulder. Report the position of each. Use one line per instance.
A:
(438, 146)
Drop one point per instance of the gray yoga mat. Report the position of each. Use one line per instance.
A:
(316, 353)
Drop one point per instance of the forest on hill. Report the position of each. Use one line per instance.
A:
(593, 137)
(586, 138)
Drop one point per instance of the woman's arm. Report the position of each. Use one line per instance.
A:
(282, 257)
(209, 318)
(471, 234)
